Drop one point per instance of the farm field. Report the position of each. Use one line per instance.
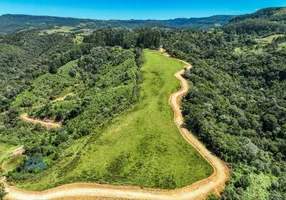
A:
(141, 147)
(61, 29)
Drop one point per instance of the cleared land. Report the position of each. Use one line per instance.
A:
(142, 147)
(61, 29)
(261, 43)
(268, 39)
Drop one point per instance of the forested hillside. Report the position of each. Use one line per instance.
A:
(26, 55)
(265, 21)
(23, 57)
(11, 23)
(237, 107)
(98, 93)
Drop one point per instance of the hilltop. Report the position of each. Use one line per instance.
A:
(268, 20)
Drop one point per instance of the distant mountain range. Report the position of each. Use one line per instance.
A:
(10, 23)
(260, 22)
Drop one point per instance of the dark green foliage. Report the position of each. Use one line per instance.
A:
(2, 191)
(267, 13)
(148, 38)
(53, 69)
(236, 105)
(213, 197)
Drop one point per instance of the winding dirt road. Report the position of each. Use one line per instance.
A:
(199, 190)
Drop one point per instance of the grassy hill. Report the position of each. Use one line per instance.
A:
(10, 23)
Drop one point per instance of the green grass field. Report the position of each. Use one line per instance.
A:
(5, 154)
(61, 29)
(141, 147)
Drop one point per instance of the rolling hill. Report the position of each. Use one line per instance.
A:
(268, 20)
(10, 23)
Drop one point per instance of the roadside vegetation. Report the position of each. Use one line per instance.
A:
(2, 191)
(237, 106)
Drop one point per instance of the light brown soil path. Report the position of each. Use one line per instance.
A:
(18, 151)
(3, 113)
(197, 191)
(62, 98)
(48, 124)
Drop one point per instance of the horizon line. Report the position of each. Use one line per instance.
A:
(139, 19)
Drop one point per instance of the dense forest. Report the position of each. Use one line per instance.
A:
(236, 105)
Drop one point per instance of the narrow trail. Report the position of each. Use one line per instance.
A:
(18, 151)
(197, 191)
(62, 98)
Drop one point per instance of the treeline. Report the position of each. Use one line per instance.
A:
(143, 38)
(237, 107)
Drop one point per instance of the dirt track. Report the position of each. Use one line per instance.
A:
(62, 98)
(46, 123)
(199, 190)
(19, 151)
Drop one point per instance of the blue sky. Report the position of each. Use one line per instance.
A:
(134, 9)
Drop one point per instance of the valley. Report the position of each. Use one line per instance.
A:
(194, 191)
